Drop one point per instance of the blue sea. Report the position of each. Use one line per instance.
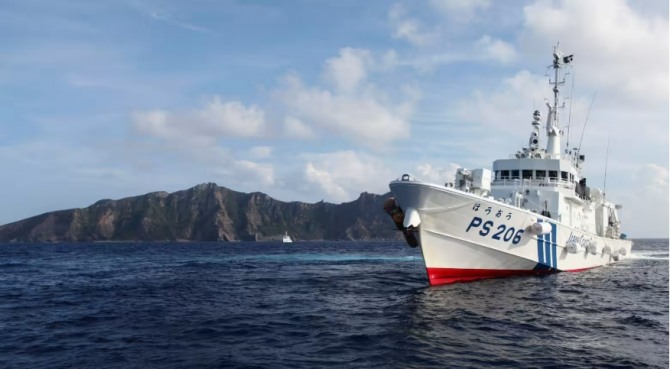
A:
(318, 305)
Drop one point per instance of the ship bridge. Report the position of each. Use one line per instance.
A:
(535, 172)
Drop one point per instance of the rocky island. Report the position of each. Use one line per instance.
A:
(207, 212)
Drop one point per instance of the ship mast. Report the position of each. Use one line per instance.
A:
(553, 130)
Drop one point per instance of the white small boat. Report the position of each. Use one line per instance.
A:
(286, 238)
(532, 214)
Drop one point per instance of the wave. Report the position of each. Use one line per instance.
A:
(325, 257)
(12, 265)
(361, 305)
(649, 255)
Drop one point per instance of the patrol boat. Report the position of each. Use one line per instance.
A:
(532, 214)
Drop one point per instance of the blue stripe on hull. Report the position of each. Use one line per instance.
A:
(546, 248)
(540, 250)
(554, 258)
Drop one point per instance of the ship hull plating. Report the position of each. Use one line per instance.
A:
(465, 237)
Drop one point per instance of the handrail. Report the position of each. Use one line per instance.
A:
(550, 182)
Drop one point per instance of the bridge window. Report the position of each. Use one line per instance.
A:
(564, 176)
(504, 174)
(553, 175)
(540, 174)
(527, 174)
(572, 177)
(515, 174)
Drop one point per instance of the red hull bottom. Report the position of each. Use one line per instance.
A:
(439, 276)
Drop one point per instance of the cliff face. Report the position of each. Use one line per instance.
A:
(207, 212)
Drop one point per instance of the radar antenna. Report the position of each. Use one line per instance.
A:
(579, 149)
(572, 89)
(607, 155)
(554, 132)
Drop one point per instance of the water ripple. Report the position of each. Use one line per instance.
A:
(314, 305)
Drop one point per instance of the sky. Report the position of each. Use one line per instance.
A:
(322, 100)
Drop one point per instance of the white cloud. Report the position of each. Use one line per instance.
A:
(193, 135)
(221, 165)
(658, 179)
(409, 29)
(297, 129)
(349, 69)
(428, 62)
(437, 175)
(496, 49)
(645, 210)
(231, 118)
(324, 179)
(216, 119)
(249, 171)
(508, 106)
(153, 122)
(463, 11)
(365, 117)
(615, 48)
(343, 175)
(388, 60)
(170, 19)
(260, 152)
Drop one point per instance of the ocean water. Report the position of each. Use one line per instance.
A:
(318, 305)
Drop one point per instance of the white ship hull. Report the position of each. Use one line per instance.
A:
(465, 237)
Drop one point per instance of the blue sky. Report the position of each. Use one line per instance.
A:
(309, 100)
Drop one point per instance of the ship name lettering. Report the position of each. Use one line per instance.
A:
(582, 240)
(502, 232)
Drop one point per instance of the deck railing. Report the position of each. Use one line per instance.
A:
(548, 182)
